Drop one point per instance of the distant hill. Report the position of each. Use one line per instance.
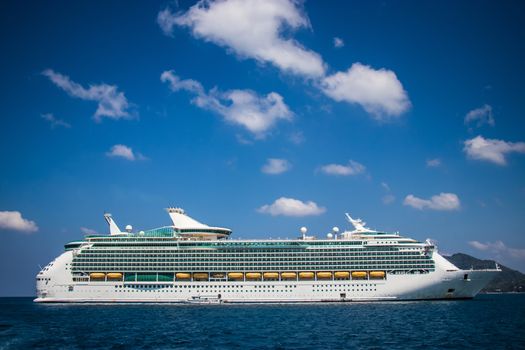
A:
(507, 280)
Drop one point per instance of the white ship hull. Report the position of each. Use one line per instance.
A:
(55, 284)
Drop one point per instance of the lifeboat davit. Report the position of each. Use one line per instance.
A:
(235, 275)
(114, 276)
(342, 274)
(200, 276)
(271, 275)
(377, 274)
(183, 276)
(306, 275)
(253, 275)
(359, 274)
(97, 275)
(324, 275)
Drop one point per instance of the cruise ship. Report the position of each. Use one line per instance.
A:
(190, 262)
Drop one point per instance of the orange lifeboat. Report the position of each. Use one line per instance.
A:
(253, 275)
(97, 275)
(306, 275)
(200, 276)
(377, 274)
(359, 274)
(288, 275)
(342, 274)
(271, 275)
(114, 276)
(235, 275)
(183, 276)
(323, 275)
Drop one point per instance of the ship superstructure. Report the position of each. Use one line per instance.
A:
(191, 262)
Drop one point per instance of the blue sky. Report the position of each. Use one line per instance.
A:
(262, 117)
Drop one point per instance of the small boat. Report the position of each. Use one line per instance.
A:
(182, 276)
(306, 275)
(204, 300)
(253, 275)
(288, 275)
(342, 274)
(235, 275)
(97, 275)
(200, 276)
(359, 274)
(324, 275)
(377, 274)
(114, 276)
(271, 275)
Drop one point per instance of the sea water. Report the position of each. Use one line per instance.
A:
(486, 322)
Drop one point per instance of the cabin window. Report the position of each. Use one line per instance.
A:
(451, 290)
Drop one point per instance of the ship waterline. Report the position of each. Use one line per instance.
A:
(192, 262)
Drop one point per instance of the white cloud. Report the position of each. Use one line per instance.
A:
(125, 152)
(443, 201)
(177, 84)
(276, 166)
(379, 92)
(481, 115)
(252, 29)
(352, 168)
(291, 207)
(258, 114)
(54, 122)
(434, 163)
(13, 220)
(491, 150)
(111, 103)
(338, 42)
(499, 248)
(297, 137)
(385, 186)
(88, 231)
(166, 21)
(388, 199)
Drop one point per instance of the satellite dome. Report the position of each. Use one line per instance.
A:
(129, 228)
(335, 229)
(303, 230)
(329, 236)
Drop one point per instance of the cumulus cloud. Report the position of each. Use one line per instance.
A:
(434, 163)
(13, 221)
(256, 113)
(442, 201)
(491, 150)
(123, 151)
(260, 30)
(291, 207)
(276, 166)
(378, 91)
(55, 122)
(482, 115)
(352, 168)
(499, 248)
(338, 42)
(252, 29)
(112, 103)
